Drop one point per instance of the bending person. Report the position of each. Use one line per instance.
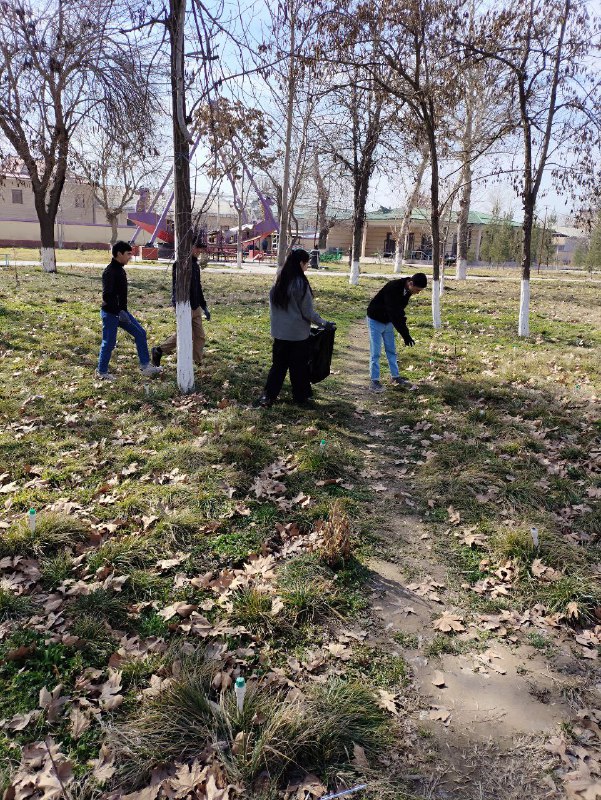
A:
(385, 313)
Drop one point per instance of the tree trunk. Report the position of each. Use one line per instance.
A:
(524, 316)
(183, 201)
(112, 219)
(462, 221)
(47, 253)
(399, 256)
(435, 223)
(285, 212)
(359, 226)
(465, 196)
(239, 243)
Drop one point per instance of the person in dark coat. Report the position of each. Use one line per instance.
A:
(197, 303)
(291, 313)
(114, 315)
(385, 313)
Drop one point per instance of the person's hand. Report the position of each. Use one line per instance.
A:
(207, 313)
(409, 341)
(124, 318)
(330, 326)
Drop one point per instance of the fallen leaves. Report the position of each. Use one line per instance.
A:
(438, 679)
(428, 588)
(449, 623)
(440, 714)
(110, 697)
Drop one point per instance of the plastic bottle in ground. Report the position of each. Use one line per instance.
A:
(31, 519)
(323, 444)
(240, 690)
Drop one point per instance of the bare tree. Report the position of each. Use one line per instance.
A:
(545, 48)
(116, 168)
(410, 60)
(402, 234)
(61, 63)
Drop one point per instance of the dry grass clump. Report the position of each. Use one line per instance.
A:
(278, 732)
(336, 537)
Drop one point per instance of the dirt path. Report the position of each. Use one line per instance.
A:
(500, 701)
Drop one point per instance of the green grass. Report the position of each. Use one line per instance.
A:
(500, 429)
(52, 533)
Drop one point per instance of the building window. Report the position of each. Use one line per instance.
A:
(80, 201)
(18, 196)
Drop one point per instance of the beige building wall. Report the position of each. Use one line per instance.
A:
(77, 202)
(27, 234)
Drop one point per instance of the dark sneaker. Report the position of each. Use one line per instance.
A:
(156, 356)
(106, 376)
(150, 371)
(400, 381)
(265, 402)
(376, 386)
(308, 403)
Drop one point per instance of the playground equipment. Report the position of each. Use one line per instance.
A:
(161, 228)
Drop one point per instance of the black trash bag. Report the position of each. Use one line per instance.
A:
(322, 347)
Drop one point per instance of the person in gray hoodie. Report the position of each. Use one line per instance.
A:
(291, 313)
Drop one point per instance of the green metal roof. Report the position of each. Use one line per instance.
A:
(423, 215)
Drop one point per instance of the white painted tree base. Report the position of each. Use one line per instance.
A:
(354, 276)
(462, 269)
(239, 260)
(436, 321)
(185, 361)
(48, 257)
(398, 261)
(524, 319)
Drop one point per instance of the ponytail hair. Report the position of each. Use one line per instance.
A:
(291, 272)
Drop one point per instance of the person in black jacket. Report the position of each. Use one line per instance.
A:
(385, 313)
(114, 315)
(197, 302)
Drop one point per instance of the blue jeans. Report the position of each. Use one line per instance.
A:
(378, 332)
(110, 323)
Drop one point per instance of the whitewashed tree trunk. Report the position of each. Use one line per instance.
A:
(185, 363)
(461, 269)
(239, 243)
(398, 258)
(524, 319)
(48, 257)
(436, 321)
(354, 276)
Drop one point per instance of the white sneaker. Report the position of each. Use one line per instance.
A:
(106, 376)
(151, 371)
(376, 386)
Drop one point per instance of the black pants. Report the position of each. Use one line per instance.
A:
(293, 356)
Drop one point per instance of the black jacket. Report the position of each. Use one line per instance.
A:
(197, 298)
(389, 306)
(114, 288)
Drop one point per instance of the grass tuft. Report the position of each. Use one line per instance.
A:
(275, 734)
(53, 532)
(13, 606)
